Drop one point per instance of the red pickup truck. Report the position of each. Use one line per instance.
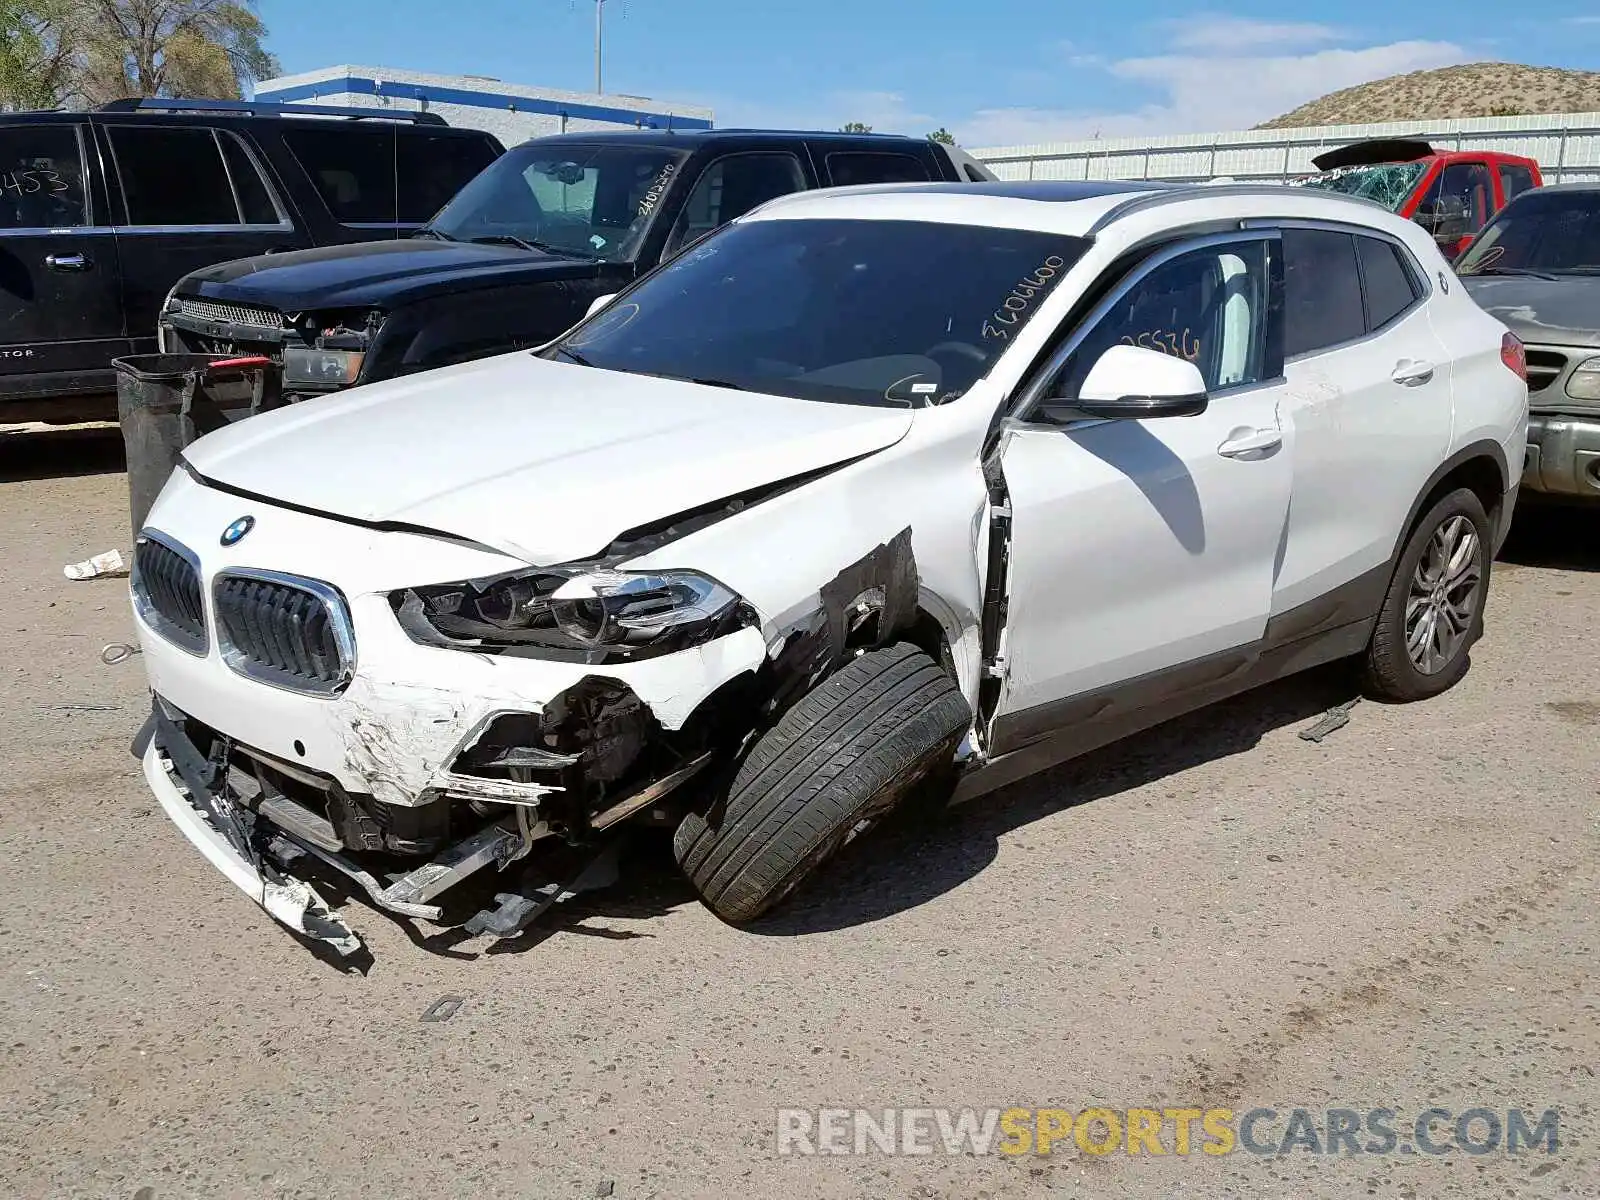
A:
(1452, 194)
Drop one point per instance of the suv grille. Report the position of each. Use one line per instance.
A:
(285, 631)
(1544, 368)
(232, 314)
(166, 591)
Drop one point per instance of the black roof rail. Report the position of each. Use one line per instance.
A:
(251, 108)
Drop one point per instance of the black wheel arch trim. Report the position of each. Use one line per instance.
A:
(1485, 448)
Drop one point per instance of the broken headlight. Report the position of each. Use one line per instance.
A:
(592, 612)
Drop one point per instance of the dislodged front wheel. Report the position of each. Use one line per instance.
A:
(1433, 612)
(831, 768)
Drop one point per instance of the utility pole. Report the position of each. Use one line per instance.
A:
(599, 44)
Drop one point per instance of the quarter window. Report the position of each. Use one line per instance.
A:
(852, 167)
(1390, 288)
(1208, 306)
(731, 187)
(173, 176)
(1321, 289)
(41, 178)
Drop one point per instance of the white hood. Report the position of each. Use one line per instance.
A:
(542, 460)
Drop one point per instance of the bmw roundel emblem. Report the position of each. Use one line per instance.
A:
(234, 534)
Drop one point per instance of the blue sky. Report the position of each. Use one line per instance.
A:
(997, 72)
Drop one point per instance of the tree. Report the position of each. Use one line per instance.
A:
(174, 48)
(855, 127)
(943, 136)
(59, 52)
(40, 53)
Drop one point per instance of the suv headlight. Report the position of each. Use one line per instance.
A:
(591, 612)
(1584, 382)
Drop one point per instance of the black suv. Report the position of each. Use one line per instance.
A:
(101, 213)
(522, 251)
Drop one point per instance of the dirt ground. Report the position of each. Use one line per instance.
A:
(1215, 914)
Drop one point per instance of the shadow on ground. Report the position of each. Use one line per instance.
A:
(925, 855)
(1566, 537)
(55, 453)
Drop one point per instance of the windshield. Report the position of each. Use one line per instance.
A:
(1387, 183)
(1541, 233)
(595, 201)
(888, 313)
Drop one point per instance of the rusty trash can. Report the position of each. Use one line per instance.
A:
(166, 401)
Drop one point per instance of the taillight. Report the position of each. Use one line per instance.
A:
(1514, 355)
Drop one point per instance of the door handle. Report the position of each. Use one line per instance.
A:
(1252, 441)
(1412, 372)
(67, 262)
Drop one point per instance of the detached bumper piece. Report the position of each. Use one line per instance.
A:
(257, 839)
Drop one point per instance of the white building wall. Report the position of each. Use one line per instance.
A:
(512, 112)
(1566, 147)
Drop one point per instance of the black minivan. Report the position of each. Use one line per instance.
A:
(102, 212)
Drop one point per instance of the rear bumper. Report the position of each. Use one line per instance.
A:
(1563, 455)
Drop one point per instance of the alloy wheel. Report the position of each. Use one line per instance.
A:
(1446, 590)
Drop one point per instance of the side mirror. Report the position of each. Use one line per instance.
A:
(1131, 383)
(599, 303)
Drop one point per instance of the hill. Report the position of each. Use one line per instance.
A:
(1485, 89)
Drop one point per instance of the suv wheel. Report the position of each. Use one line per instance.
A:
(1433, 612)
(831, 768)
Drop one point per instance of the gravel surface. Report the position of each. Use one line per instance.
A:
(1215, 914)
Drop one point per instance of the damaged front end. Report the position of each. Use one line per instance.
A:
(566, 776)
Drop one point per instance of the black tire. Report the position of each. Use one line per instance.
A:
(1389, 670)
(832, 766)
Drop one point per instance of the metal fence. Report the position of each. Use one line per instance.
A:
(1566, 147)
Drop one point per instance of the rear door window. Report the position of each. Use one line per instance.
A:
(849, 167)
(41, 178)
(172, 176)
(1388, 285)
(1322, 291)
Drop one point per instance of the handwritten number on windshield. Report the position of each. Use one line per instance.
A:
(653, 196)
(1021, 299)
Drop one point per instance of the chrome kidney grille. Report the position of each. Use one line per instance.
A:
(285, 631)
(167, 593)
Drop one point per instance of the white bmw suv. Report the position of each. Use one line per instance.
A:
(883, 487)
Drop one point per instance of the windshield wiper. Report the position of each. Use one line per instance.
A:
(511, 239)
(429, 231)
(573, 356)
